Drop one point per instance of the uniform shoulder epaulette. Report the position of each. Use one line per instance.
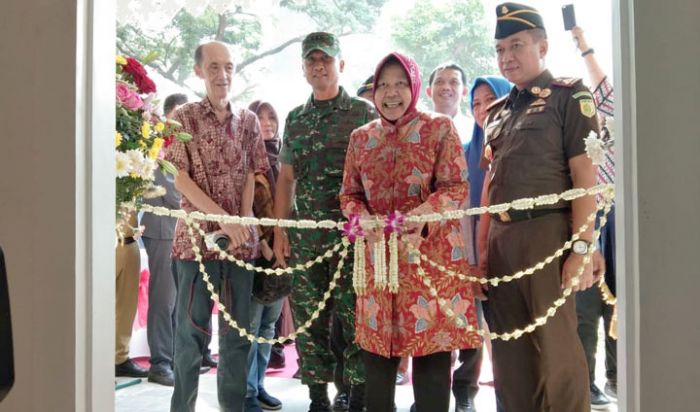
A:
(566, 81)
(496, 102)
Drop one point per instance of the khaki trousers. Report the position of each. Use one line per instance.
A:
(128, 266)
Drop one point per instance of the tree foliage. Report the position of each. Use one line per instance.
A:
(339, 16)
(440, 31)
(176, 42)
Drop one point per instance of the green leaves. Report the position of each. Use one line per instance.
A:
(435, 32)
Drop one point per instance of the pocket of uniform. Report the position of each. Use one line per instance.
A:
(335, 159)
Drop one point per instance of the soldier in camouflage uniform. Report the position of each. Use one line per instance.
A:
(316, 136)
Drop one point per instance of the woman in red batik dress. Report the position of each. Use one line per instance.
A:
(411, 162)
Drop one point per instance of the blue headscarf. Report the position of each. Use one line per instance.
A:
(472, 150)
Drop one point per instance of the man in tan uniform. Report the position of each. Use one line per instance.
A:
(535, 146)
(128, 272)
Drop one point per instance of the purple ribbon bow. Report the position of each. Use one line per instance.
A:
(352, 228)
(394, 223)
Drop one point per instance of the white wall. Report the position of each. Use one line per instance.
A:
(55, 214)
(660, 79)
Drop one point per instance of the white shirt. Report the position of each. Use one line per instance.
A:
(465, 127)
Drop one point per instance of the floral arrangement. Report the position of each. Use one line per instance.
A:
(140, 135)
(597, 145)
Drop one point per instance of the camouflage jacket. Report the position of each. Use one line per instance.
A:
(316, 136)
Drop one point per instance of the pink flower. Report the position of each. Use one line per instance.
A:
(127, 97)
(352, 228)
(394, 222)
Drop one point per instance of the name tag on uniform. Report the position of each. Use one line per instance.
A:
(533, 110)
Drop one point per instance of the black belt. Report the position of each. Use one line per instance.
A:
(520, 215)
(128, 240)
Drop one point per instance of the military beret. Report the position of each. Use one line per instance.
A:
(325, 42)
(514, 17)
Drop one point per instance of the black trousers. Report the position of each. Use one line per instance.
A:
(338, 346)
(465, 379)
(431, 382)
(590, 307)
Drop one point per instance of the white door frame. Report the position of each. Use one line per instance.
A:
(96, 34)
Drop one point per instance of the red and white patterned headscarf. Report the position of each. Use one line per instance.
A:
(412, 72)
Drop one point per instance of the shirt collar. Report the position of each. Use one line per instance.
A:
(342, 101)
(208, 108)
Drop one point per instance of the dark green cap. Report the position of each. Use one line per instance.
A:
(514, 17)
(325, 42)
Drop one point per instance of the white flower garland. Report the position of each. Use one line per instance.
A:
(238, 220)
(277, 271)
(359, 281)
(606, 190)
(608, 297)
(380, 280)
(394, 262)
(539, 321)
(495, 281)
(244, 332)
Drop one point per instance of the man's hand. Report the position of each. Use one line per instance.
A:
(598, 266)
(570, 269)
(266, 250)
(281, 246)
(238, 234)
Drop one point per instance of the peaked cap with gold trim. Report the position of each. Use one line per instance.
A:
(513, 17)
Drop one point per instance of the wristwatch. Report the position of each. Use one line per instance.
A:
(580, 247)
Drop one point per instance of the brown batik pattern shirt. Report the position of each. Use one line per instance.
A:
(218, 159)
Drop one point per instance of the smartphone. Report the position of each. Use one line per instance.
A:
(567, 12)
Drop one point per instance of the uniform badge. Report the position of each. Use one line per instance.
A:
(587, 107)
(504, 10)
(536, 91)
(532, 110)
(546, 93)
(539, 102)
(488, 152)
